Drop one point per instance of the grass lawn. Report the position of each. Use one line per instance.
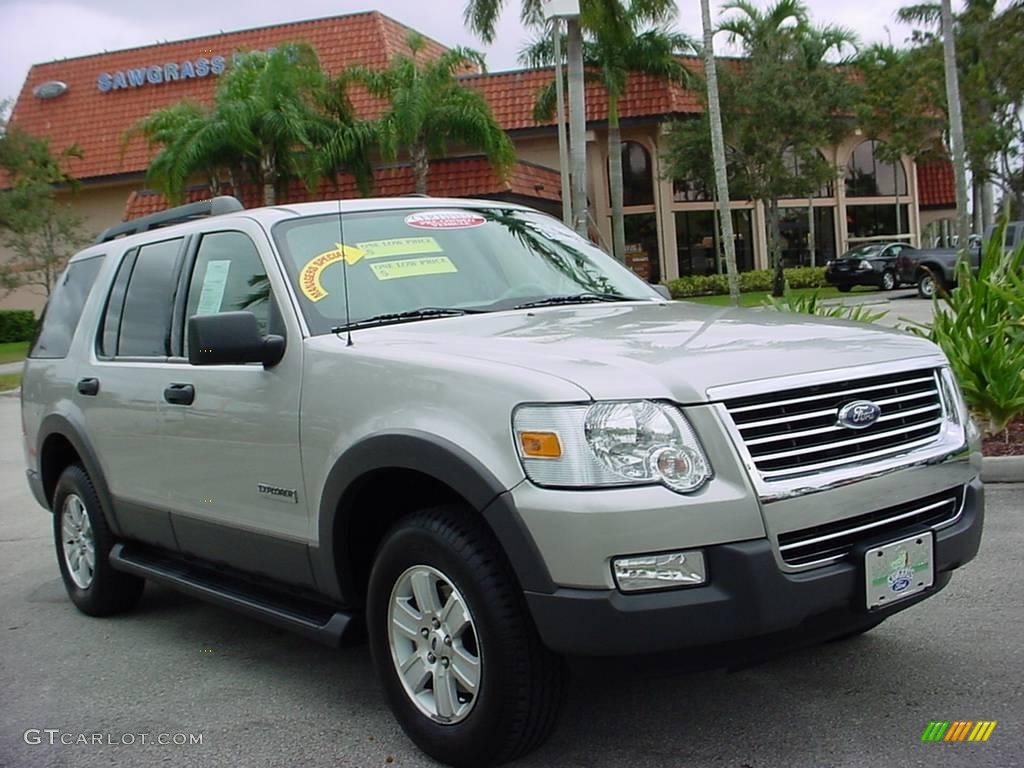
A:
(13, 352)
(756, 298)
(9, 381)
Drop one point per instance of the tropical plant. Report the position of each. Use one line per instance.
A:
(617, 42)
(812, 304)
(779, 105)
(980, 328)
(275, 117)
(429, 109)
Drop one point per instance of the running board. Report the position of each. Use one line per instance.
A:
(317, 621)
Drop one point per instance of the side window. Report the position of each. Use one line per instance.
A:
(111, 328)
(229, 276)
(895, 251)
(60, 318)
(148, 302)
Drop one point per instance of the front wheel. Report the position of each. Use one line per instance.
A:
(83, 542)
(844, 288)
(888, 281)
(460, 660)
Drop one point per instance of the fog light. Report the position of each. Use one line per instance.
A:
(663, 571)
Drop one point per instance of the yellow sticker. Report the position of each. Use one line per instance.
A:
(309, 276)
(432, 265)
(399, 246)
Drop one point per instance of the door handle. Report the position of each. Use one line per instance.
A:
(180, 394)
(89, 387)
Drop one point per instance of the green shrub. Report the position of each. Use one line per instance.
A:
(757, 280)
(17, 325)
(810, 304)
(980, 327)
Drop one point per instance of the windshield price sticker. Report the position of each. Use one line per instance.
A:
(309, 277)
(445, 220)
(431, 265)
(399, 246)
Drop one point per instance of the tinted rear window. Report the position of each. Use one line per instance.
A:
(146, 318)
(60, 319)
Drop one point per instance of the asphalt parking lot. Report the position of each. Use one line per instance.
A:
(902, 306)
(259, 696)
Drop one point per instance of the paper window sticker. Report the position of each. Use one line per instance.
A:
(399, 268)
(399, 246)
(214, 282)
(309, 276)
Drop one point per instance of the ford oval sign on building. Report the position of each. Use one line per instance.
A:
(50, 90)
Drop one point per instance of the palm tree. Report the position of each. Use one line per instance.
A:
(275, 117)
(718, 153)
(612, 50)
(482, 15)
(429, 108)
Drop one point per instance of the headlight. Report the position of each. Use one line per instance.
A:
(829, 263)
(864, 265)
(609, 443)
(956, 405)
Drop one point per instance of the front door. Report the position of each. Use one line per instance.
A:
(232, 446)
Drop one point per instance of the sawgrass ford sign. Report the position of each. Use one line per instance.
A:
(170, 72)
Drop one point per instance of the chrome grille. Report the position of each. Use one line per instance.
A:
(795, 431)
(830, 542)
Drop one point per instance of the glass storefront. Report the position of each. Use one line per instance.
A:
(794, 226)
(697, 242)
(642, 246)
(866, 221)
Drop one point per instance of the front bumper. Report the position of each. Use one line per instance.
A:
(748, 595)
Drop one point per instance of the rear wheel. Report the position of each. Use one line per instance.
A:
(460, 660)
(83, 541)
(927, 285)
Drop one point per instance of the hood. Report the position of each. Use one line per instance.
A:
(674, 350)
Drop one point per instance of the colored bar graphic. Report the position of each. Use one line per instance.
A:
(958, 730)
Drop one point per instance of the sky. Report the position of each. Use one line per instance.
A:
(36, 31)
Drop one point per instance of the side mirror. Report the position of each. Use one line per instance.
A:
(663, 291)
(230, 338)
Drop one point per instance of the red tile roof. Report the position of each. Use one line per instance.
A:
(513, 94)
(461, 177)
(936, 187)
(96, 121)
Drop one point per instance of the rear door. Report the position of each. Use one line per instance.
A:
(236, 484)
(120, 387)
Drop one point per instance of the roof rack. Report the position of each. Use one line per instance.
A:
(215, 206)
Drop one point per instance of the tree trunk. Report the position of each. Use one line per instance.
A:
(718, 153)
(956, 126)
(812, 235)
(979, 206)
(420, 169)
(563, 144)
(988, 206)
(267, 167)
(577, 127)
(615, 179)
(774, 236)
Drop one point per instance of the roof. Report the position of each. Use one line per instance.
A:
(461, 177)
(96, 120)
(935, 184)
(513, 94)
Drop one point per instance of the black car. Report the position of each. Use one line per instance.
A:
(870, 264)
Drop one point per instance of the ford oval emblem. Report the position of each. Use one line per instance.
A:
(49, 90)
(860, 414)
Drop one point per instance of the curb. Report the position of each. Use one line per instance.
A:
(1002, 469)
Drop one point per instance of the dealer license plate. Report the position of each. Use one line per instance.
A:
(895, 571)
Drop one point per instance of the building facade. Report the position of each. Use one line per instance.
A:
(92, 101)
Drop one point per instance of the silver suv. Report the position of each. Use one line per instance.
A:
(464, 431)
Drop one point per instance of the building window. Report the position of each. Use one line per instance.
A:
(795, 165)
(864, 222)
(637, 175)
(642, 246)
(697, 242)
(867, 175)
(795, 228)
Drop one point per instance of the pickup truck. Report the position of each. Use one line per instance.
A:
(935, 268)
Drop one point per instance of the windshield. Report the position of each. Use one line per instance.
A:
(481, 259)
(863, 251)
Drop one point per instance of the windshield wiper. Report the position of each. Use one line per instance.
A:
(423, 313)
(575, 298)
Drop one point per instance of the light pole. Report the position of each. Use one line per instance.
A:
(570, 11)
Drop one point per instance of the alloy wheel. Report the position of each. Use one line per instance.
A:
(434, 644)
(77, 541)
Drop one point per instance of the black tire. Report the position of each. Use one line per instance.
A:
(888, 281)
(521, 683)
(929, 284)
(844, 288)
(107, 592)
